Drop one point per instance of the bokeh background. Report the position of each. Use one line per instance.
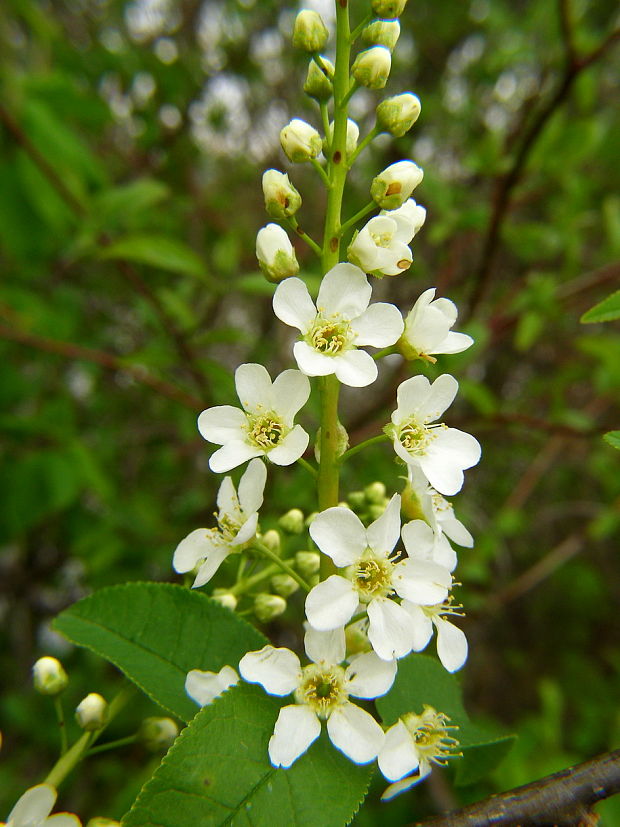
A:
(132, 140)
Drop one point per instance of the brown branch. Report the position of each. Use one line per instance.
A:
(107, 360)
(564, 799)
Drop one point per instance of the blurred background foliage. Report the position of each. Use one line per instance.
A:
(132, 140)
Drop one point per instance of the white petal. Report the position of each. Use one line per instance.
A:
(222, 424)
(311, 362)
(418, 538)
(253, 385)
(277, 670)
(370, 677)
(380, 326)
(252, 486)
(33, 806)
(398, 756)
(345, 291)
(205, 687)
(421, 581)
(290, 448)
(227, 501)
(340, 534)
(331, 603)
(292, 304)
(389, 630)
(232, 454)
(427, 329)
(447, 455)
(296, 728)
(453, 343)
(422, 625)
(247, 530)
(355, 368)
(291, 390)
(383, 534)
(410, 395)
(401, 786)
(451, 644)
(440, 397)
(329, 647)
(447, 308)
(457, 532)
(355, 732)
(198, 544)
(214, 560)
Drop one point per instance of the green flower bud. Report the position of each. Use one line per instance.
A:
(371, 67)
(388, 8)
(281, 198)
(375, 493)
(292, 522)
(398, 114)
(356, 500)
(357, 639)
(307, 562)
(382, 33)
(100, 821)
(309, 32)
(319, 82)
(392, 187)
(300, 141)
(375, 511)
(225, 598)
(268, 606)
(92, 713)
(310, 517)
(272, 540)
(158, 734)
(49, 677)
(284, 584)
(275, 253)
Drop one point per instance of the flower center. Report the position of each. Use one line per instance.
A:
(382, 239)
(430, 734)
(229, 525)
(322, 688)
(329, 336)
(265, 431)
(371, 576)
(415, 437)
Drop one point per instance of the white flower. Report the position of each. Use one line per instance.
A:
(415, 742)
(34, 807)
(205, 687)
(380, 247)
(322, 692)
(437, 511)
(300, 141)
(275, 253)
(451, 641)
(393, 186)
(371, 577)
(340, 322)
(440, 452)
(265, 425)
(427, 328)
(237, 519)
(410, 217)
(424, 543)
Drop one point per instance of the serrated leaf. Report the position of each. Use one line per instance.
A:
(157, 251)
(605, 311)
(218, 773)
(155, 633)
(613, 438)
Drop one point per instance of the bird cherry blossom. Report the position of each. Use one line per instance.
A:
(340, 323)
(321, 691)
(265, 425)
(435, 509)
(452, 646)
(204, 687)
(428, 329)
(380, 247)
(237, 520)
(440, 452)
(34, 807)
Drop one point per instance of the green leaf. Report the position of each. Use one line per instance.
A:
(218, 773)
(131, 198)
(613, 438)
(155, 633)
(157, 251)
(605, 311)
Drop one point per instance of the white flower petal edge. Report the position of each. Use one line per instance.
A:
(427, 328)
(295, 730)
(331, 603)
(205, 687)
(277, 670)
(33, 806)
(405, 784)
(398, 756)
(355, 732)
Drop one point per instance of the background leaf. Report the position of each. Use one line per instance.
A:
(157, 251)
(605, 311)
(613, 438)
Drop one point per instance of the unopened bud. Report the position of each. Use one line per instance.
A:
(375, 493)
(319, 80)
(342, 441)
(357, 638)
(272, 540)
(300, 141)
(353, 133)
(275, 253)
(92, 712)
(49, 677)
(225, 598)
(309, 32)
(307, 562)
(292, 522)
(382, 33)
(398, 114)
(376, 510)
(371, 67)
(392, 187)
(388, 8)
(284, 584)
(356, 500)
(158, 734)
(310, 518)
(281, 198)
(268, 606)
(100, 821)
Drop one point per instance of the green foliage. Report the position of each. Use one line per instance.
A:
(613, 438)
(605, 311)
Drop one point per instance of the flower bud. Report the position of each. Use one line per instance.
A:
(281, 198)
(375, 511)
(353, 133)
(357, 638)
(375, 493)
(307, 562)
(225, 598)
(300, 141)
(272, 540)
(310, 518)
(309, 31)
(158, 734)
(49, 677)
(382, 33)
(398, 114)
(292, 522)
(356, 500)
(388, 8)
(275, 253)
(392, 187)
(268, 606)
(371, 67)
(319, 81)
(284, 584)
(92, 712)
(100, 821)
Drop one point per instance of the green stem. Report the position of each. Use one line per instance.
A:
(387, 351)
(352, 88)
(60, 715)
(360, 447)
(357, 217)
(249, 582)
(376, 130)
(309, 468)
(294, 225)
(321, 172)
(271, 555)
(325, 121)
(358, 29)
(120, 742)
